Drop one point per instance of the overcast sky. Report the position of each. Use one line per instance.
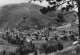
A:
(44, 3)
(3, 2)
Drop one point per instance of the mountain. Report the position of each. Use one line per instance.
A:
(27, 14)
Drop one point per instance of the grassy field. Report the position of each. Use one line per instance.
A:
(8, 48)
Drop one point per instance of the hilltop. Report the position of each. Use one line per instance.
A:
(11, 15)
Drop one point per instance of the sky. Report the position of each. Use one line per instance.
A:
(44, 3)
(4, 2)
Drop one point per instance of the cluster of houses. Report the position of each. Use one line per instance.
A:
(44, 34)
(20, 38)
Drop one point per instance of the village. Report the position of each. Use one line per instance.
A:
(52, 38)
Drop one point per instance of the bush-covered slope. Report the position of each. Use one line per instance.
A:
(11, 15)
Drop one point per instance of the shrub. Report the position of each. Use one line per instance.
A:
(60, 46)
(25, 49)
(43, 47)
(51, 49)
(2, 52)
(77, 50)
(60, 18)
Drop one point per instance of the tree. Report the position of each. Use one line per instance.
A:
(51, 49)
(35, 52)
(72, 37)
(77, 49)
(43, 47)
(44, 10)
(60, 18)
(2, 52)
(55, 5)
(58, 0)
(60, 46)
(26, 49)
(46, 39)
